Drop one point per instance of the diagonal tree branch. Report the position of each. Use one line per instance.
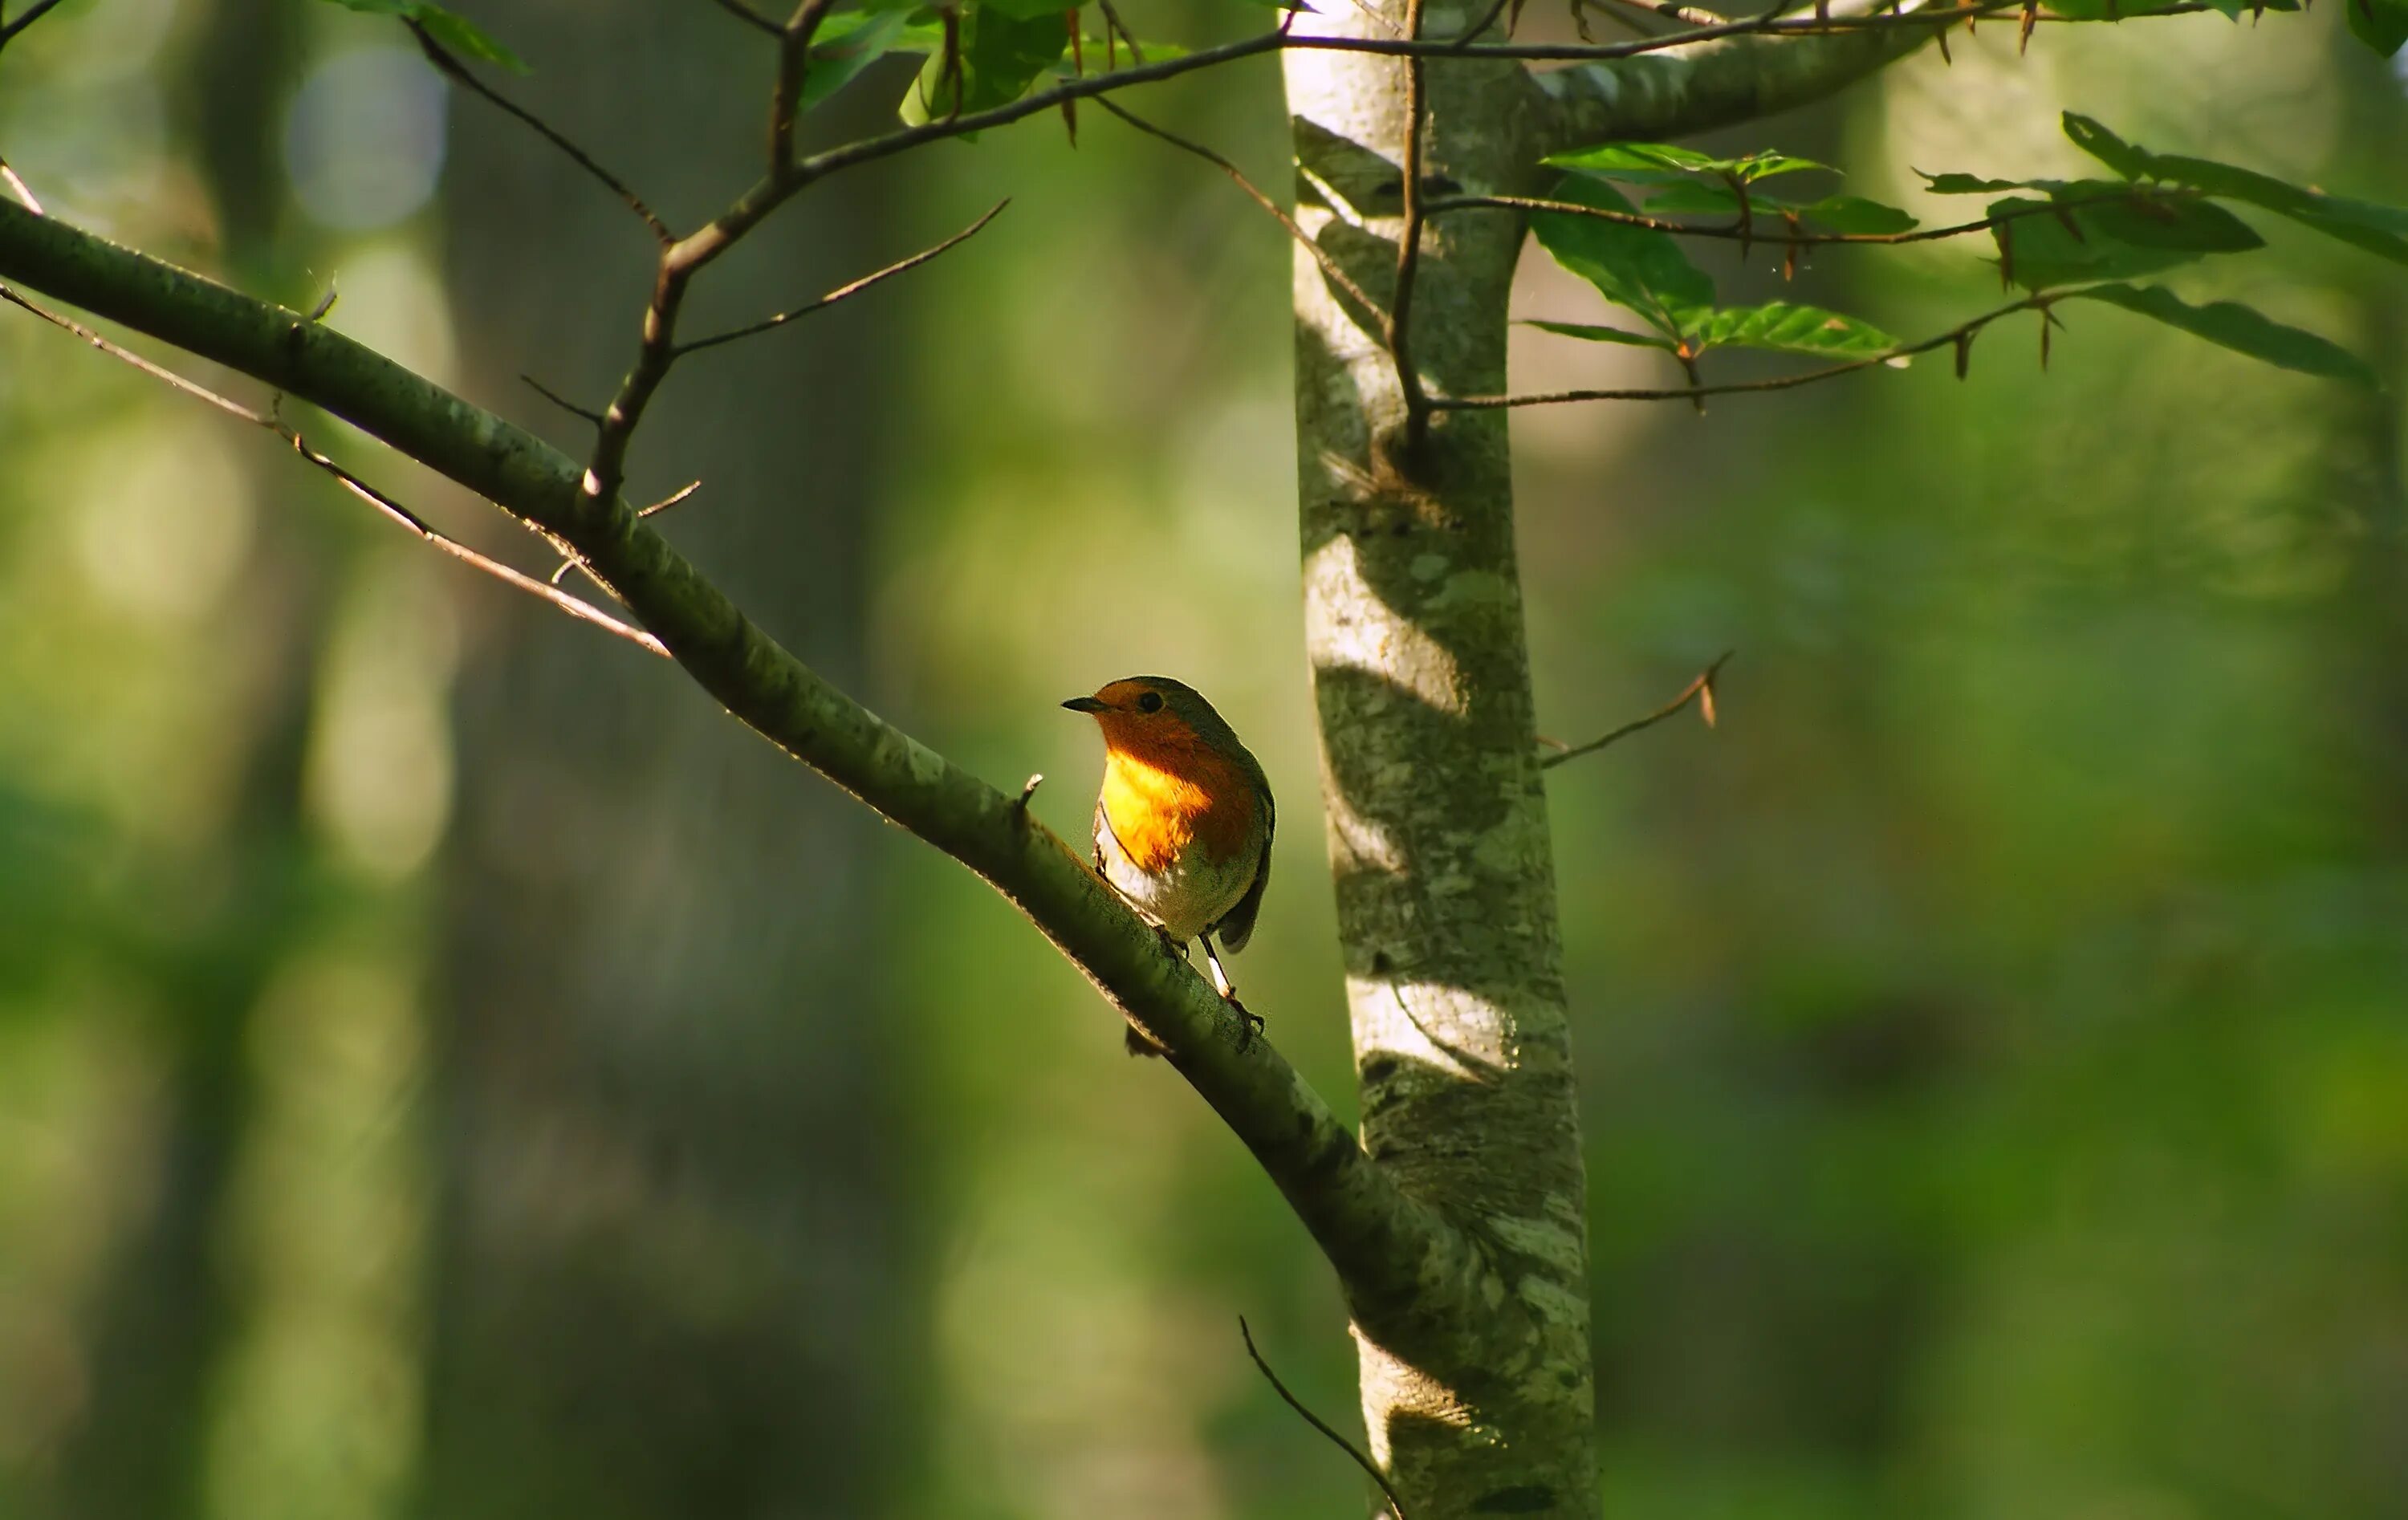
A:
(1388, 1248)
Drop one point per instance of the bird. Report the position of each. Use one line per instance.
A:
(1183, 821)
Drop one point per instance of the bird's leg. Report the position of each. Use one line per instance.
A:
(1175, 948)
(1228, 991)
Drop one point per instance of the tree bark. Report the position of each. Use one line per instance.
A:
(1437, 821)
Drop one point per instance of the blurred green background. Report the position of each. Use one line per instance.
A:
(447, 1068)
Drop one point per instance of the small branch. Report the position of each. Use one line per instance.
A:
(1409, 243)
(9, 31)
(671, 499)
(1112, 24)
(848, 291)
(794, 63)
(1700, 691)
(1330, 267)
(1960, 336)
(587, 413)
(751, 17)
(456, 71)
(17, 188)
(1387, 1245)
(2136, 196)
(583, 611)
(1315, 1421)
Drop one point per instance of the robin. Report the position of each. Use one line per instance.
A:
(1183, 821)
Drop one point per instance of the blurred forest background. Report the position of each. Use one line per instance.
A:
(449, 1069)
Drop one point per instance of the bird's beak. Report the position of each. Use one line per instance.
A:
(1085, 704)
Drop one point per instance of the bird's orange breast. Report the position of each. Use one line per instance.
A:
(1162, 800)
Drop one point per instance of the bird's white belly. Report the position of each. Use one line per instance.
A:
(1187, 897)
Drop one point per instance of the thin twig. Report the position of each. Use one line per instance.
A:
(19, 189)
(2133, 195)
(794, 63)
(575, 607)
(586, 413)
(1961, 336)
(1409, 242)
(845, 292)
(1700, 690)
(751, 17)
(1322, 256)
(453, 69)
(9, 31)
(1315, 1421)
(1112, 23)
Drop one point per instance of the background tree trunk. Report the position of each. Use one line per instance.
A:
(1438, 823)
(672, 1271)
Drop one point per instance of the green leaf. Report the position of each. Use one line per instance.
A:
(2107, 147)
(1099, 56)
(852, 41)
(1607, 335)
(1029, 11)
(2242, 329)
(2096, 229)
(1632, 266)
(1658, 163)
(1001, 56)
(1784, 328)
(1973, 184)
(2380, 230)
(2381, 24)
(456, 32)
(1856, 215)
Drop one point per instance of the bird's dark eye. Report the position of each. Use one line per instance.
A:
(1150, 702)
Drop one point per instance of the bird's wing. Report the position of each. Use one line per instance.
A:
(1237, 926)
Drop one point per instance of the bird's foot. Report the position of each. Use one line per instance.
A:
(1251, 1023)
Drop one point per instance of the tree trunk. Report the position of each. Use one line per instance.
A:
(1438, 823)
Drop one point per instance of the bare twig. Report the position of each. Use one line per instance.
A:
(1315, 1421)
(671, 499)
(539, 387)
(9, 31)
(1409, 242)
(846, 291)
(751, 17)
(1960, 336)
(17, 188)
(1700, 691)
(1112, 24)
(453, 69)
(575, 607)
(2135, 195)
(793, 61)
(1322, 256)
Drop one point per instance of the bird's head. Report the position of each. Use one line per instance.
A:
(1150, 712)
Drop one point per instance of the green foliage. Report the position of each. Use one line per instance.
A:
(2094, 229)
(454, 32)
(2380, 230)
(852, 41)
(2381, 24)
(1699, 184)
(1632, 266)
(1782, 328)
(1000, 56)
(1646, 270)
(2242, 329)
(1657, 162)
